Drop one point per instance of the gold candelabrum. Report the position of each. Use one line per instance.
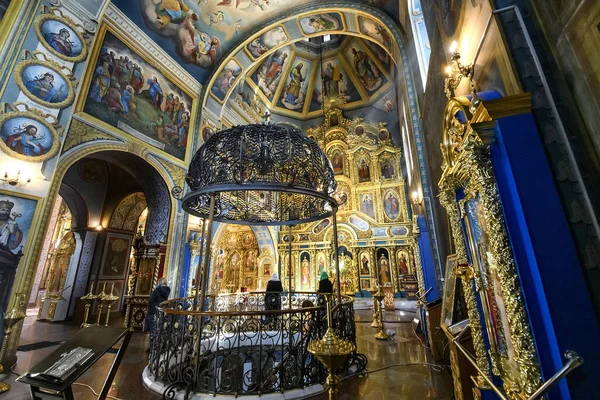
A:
(378, 296)
(331, 351)
(11, 318)
(89, 300)
(105, 301)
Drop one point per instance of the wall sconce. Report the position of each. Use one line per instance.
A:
(456, 71)
(416, 199)
(15, 179)
(99, 227)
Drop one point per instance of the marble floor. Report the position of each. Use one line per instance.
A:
(399, 368)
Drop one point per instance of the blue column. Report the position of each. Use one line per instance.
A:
(427, 260)
(185, 271)
(557, 299)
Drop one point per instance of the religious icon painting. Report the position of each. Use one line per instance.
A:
(268, 75)
(267, 267)
(359, 130)
(366, 204)
(321, 264)
(115, 260)
(375, 30)
(27, 136)
(145, 275)
(127, 92)
(387, 168)
(494, 304)
(293, 95)
(250, 262)
(404, 263)
(359, 223)
(383, 135)
(325, 22)
(369, 74)
(305, 270)
(337, 161)
(385, 271)
(399, 231)
(45, 82)
(226, 80)
(364, 171)
(365, 283)
(364, 262)
(321, 225)
(335, 85)
(61, 37)
(267, 41)
(391, 205)
(16, 217)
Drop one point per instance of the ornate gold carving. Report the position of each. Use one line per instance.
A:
(176, 173)
(448, 200)
(80, 133)
(467, 165)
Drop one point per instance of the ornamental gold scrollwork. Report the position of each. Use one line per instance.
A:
(448, 200)
(467, 165)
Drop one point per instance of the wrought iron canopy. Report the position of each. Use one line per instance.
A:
(261, 175)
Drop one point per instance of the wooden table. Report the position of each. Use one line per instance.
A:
(98, 338)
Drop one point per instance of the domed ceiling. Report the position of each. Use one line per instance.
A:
(293, 80)
(199, 33)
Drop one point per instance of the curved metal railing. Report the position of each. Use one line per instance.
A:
(241, 348)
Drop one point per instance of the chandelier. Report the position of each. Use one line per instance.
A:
(261, 175)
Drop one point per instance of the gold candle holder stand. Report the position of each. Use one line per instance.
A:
(331, 351)
(381, 334)
(11, 318)
(376, 322)
(89, 300)
(106, 301)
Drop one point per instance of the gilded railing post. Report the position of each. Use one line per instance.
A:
(448, 200)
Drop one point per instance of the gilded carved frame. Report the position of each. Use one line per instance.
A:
(467, 166)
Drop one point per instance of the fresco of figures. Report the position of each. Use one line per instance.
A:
(376, 31)
(44, 83)
(61, 37)
(16, 216)
(265, 42)
(226, 80)
(371, 77)
(336, 84)
(294, 91)
(316, 23)
(132, 95)
(27, 137)
(268, 75)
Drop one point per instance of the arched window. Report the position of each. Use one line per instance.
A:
(422, 44)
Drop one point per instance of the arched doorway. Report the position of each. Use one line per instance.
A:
(105, 200)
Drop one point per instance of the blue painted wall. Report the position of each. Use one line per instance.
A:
(558, 302)
(427, 260)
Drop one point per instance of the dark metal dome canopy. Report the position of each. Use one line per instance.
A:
(261, 175)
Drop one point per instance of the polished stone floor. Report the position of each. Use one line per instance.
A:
(399, 367)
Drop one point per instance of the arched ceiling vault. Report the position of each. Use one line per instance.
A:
(372, 36)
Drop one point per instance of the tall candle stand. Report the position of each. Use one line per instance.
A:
(89, 300)
(107, 300)
(332, 352)
(381, 334)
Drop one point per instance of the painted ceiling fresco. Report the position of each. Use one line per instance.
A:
(291, 80)
(196, 33)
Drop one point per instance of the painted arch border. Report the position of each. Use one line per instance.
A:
(399, 38)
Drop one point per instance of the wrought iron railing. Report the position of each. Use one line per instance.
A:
(242, 349)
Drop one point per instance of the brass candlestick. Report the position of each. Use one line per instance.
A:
(89, 299)
(331, 351)
(107, 300)
(376, 322)
(381, 334)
